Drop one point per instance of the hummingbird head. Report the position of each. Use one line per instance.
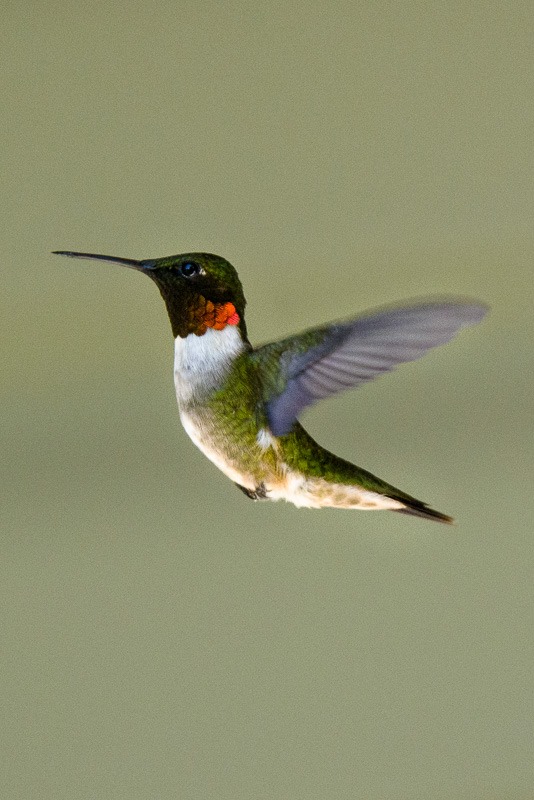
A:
(200, 290)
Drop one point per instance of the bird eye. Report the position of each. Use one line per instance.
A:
(189, 268)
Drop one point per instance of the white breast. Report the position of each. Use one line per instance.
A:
(201, 362)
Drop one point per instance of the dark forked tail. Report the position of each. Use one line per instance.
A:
(425, 512)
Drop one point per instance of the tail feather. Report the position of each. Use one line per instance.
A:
(424, 512)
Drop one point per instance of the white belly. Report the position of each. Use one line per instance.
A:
(216, 455)
(201, 363)
(286, 484)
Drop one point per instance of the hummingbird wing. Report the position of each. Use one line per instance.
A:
(320, 362)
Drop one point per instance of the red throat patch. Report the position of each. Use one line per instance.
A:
(213, 315)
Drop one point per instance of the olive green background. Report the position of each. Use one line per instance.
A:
(161, 635)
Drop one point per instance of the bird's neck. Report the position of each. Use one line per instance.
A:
(191, 312)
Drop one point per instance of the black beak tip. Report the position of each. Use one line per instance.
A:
(126, 262)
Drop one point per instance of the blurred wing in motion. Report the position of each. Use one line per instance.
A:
(323, 361)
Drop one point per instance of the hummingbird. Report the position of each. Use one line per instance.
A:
(240, 404)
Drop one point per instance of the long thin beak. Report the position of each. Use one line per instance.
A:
(126, 262)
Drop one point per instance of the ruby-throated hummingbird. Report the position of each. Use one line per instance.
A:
(240, 404)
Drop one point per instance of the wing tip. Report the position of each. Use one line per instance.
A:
(468, 310)
(474, 311)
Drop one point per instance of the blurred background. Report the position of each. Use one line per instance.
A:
(161, 635)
